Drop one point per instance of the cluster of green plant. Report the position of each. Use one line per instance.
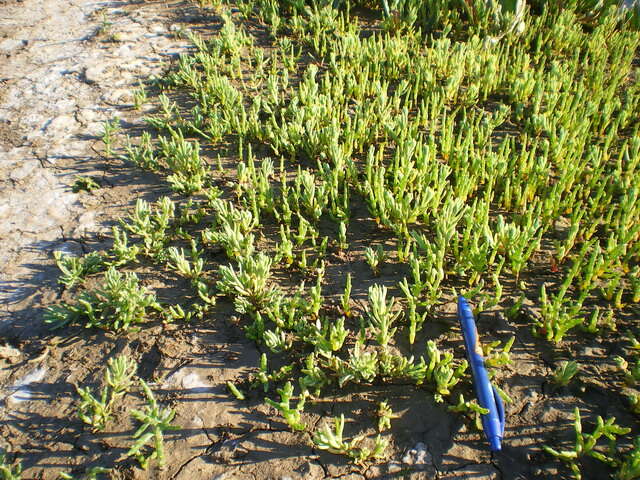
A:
(74, 269)
(630, 467)
(117, 305)
(471, 409)
(249, 285)
(87, 184)
(586, 444)
(564, 372)
(109, 129)
(151, 225)
(119, 380)
(332, 440)
(155, 421)
(488, 141)
(463, 201)
(408, 194)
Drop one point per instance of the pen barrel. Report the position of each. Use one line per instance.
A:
(492, 423)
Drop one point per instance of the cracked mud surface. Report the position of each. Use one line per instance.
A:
(65, 68)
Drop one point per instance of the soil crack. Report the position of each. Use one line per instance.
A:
(184, 465)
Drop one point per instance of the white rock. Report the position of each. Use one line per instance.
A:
(125, 51)
(15, 156)
(25, 170)
(86, 223)
(418, 456)
(94, 74)
(21, 392)
(116, 96)
(11, 44)
(70, 248)
(88, 115)
(187, 380)
(61, 125)
(197, 422)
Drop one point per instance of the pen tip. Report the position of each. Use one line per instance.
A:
(495, 444)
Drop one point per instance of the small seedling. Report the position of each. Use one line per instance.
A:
(634, 403)
(497, 355)
(155, 421)
(93, 411)
(249, 285)
(105, 23)
(119, 374)
(142, 155)
(119, 379)
(276, 341)
(121, 252)
(343, 244)
(87, 184)
(345, 299)
(442, 371)
(381, 315)
(630, 468)
(631, 374)
(151, 224)
(375, 258)
(109, 129)
(328, 336)
(470, 408)
(262, 377)
(331, 440)
(314, 376)
(74, 269)
(191, 269)
(565, 372)
(361, 367)
(235, 391)
(586, 442)
(385, 415)
(139, 96)
(291, 415)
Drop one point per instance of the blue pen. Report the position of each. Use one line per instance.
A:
(488, 397)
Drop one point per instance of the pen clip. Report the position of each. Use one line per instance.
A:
(499, 407)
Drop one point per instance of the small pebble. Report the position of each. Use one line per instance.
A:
(418, 456)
